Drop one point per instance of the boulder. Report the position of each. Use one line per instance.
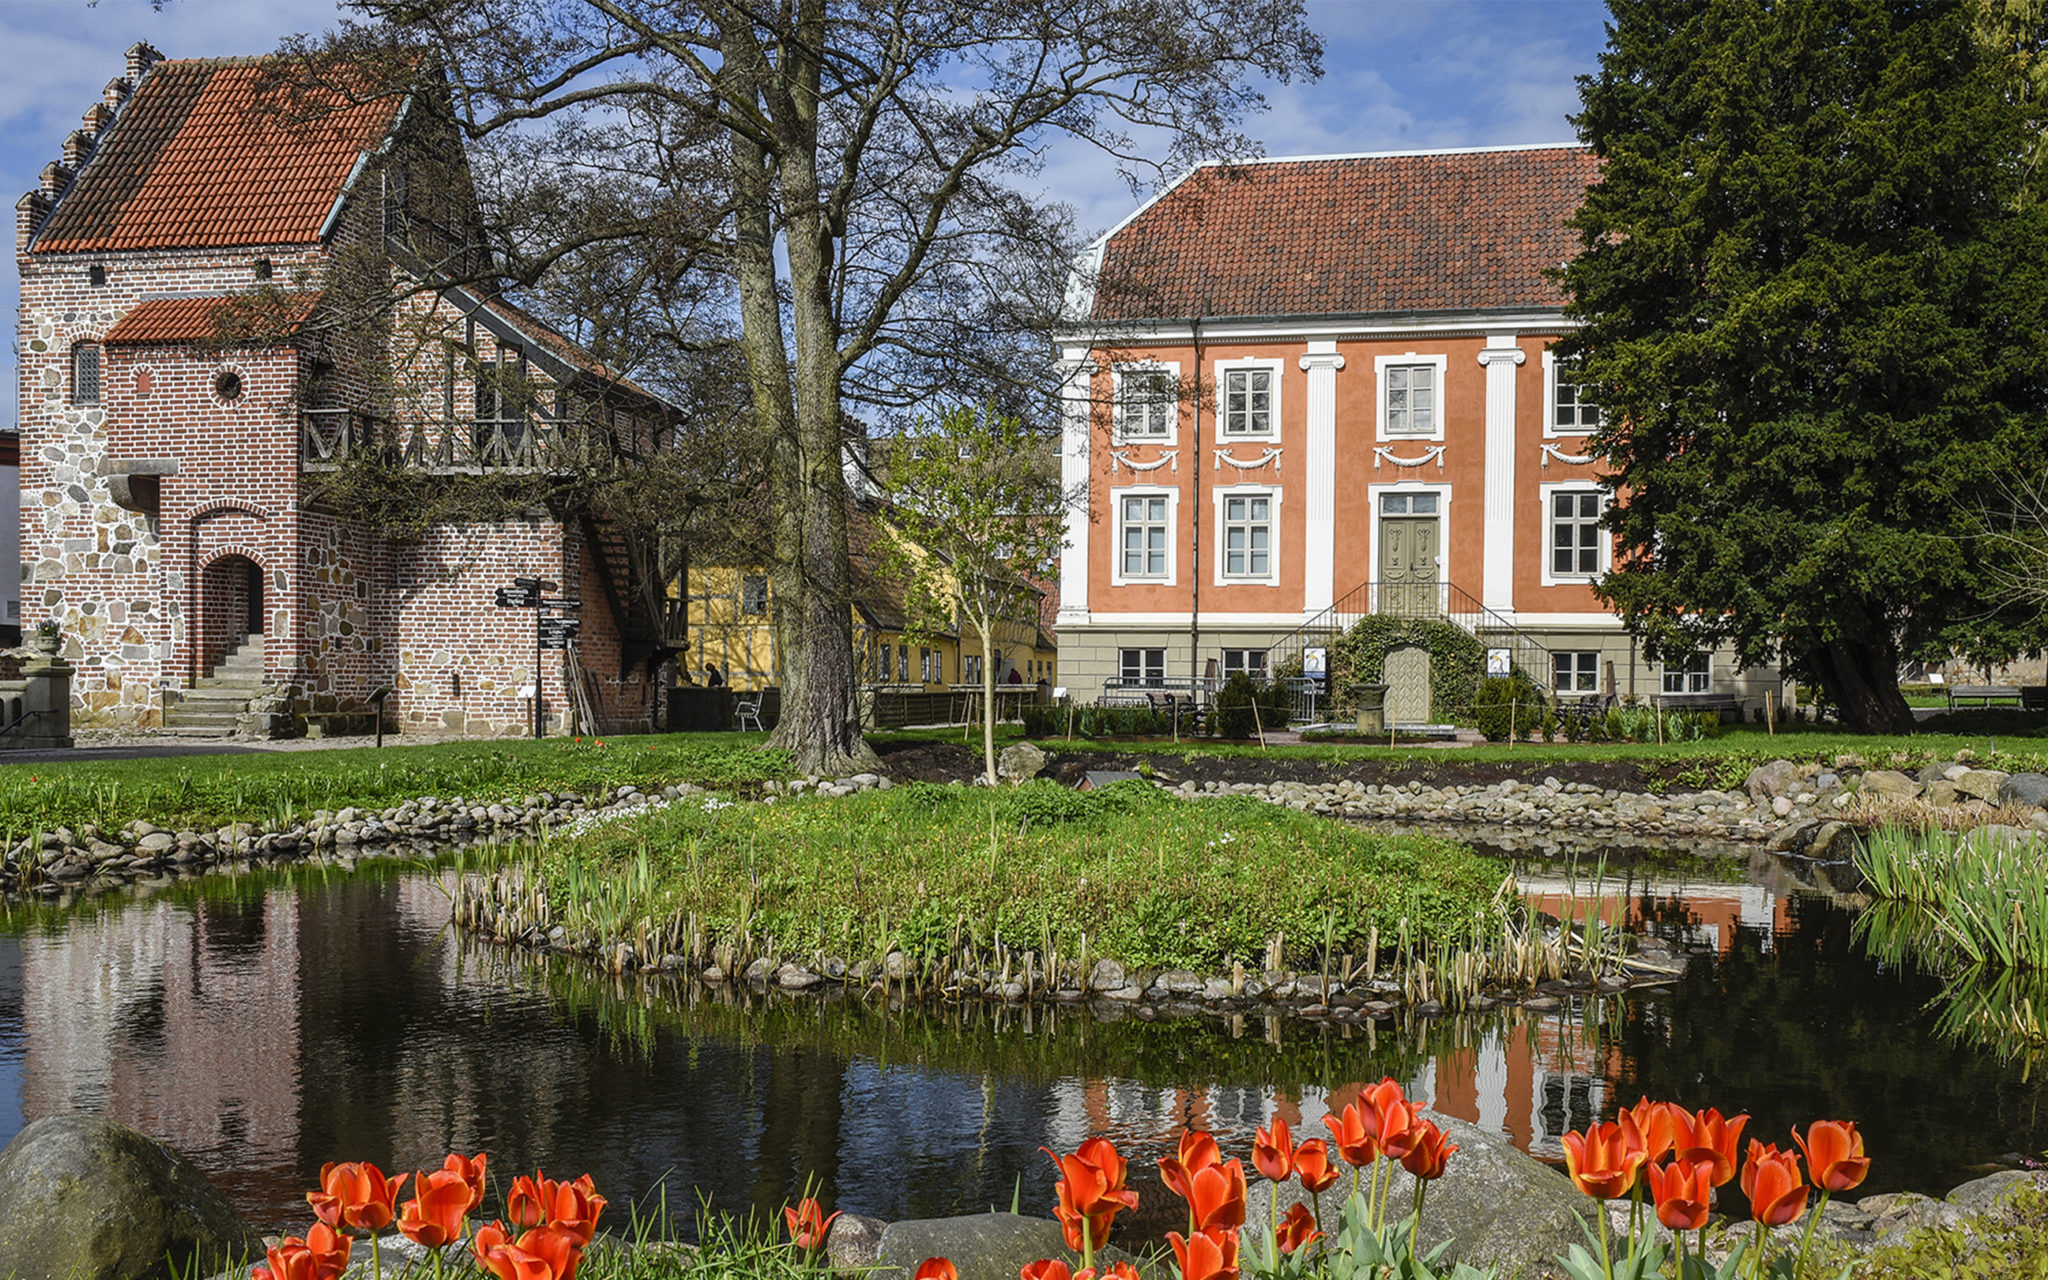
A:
(2025, 788)
(89, 1198)
(1497, 1205)
(1983, 1194)
(1941, 793)
(1890, 784)
(1980, 784)
(1020, 761)
(854, 1242)
(1107, 975)
(1793, 836)
(981, 1246)
(1769, 781)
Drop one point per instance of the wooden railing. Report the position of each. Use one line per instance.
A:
(329, 437)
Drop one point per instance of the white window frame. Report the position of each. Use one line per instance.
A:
(970, 668)
(1258, 673)
(1555, 687)
(1171, 370)
(1117, 576)
(1159, 649)
(1686, 675)
(1551, 431)
(1224, 368)
(1373, 494)
(1544, 493)
(1380, 365)
(1218, 497)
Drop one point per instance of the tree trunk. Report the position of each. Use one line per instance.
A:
(1862, 681)
(820, 708)
(988, 696)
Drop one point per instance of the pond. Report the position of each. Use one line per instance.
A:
(266, 1024)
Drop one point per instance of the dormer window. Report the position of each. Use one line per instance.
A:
(96, 276)
(85, 373)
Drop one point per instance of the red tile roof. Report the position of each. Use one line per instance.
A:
(198, 158)
(210, 319)
(1457, 231)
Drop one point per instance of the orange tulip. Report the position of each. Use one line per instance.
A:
(543, 1253)
(1312, 1165)
(322, 1254)
(356, 1195)
(1297, 1229)
(1706, 1136)
(1046, 1269)
(471, 1171)
(1392, 1117)
(1216, 1196)
(1600, 1163)
(808, 1225)
(936, 1269)
(574, 1208)
(1207, 1255)
(1834, 1153)
(1771, 1180)
(440, 1201)
(1090, 1192)
(1653, 1129)
(1684, 1192)
(1116, 1271)
(1357, 1143)
(1273, 1150)
(1198, 1151)
(526, 1204)
(1431, 1152)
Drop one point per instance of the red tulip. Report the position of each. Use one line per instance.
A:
(1431, 1152)
(1834, 1153)
(1600, 1163)
(526, 1204)
(1297, 1229)
(936, 1269)
(471, 1171)
(1356, 1142)
(1771, 1180)
(1207, 1255)
(440, 1201)
(322, 1254)
(1707, 1136)
(541, 1254)
(1090, 1192)
(1684, 1192)
(1045, 1269)
(1198, 1151)
(808, 1225)
(1273, 1150)
(356, 1195)
(1393, 1117)
(1312, 1165)
(1216, 1196)
(1651, 1129)
(1116, 1271)
(573, 1208)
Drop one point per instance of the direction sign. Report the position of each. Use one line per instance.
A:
(556, 633)
(517, 597)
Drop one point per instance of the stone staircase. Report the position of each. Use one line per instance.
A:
(217, 702)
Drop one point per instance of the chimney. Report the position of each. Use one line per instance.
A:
(55, 178)
(115, 93)
(141, 57)
(29, 212)
(97, 117)
(76, 148)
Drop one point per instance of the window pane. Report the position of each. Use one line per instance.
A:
(1233, 508)
(1394, 504)
(1259, 507)
(1424, 504)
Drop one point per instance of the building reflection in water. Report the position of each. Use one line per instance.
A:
(271, 1029)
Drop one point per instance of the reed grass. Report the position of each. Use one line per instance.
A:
(1981, 898)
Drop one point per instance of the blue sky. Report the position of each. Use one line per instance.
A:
(1399, 74)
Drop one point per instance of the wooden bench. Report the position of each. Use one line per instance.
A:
(1726, 704)
(1983, 694)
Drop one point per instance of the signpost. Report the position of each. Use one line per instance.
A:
(552, 629)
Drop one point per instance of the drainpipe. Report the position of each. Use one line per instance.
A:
(1195, 557)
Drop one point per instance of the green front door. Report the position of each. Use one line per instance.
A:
(1410, 554)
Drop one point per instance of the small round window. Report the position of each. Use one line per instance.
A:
(227, 385)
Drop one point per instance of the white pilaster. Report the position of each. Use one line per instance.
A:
(1319, 549)
(1074, 486)
(1497, 570)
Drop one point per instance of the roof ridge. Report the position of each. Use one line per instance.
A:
(1407, 154)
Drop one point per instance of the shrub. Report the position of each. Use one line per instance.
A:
(1508, 703)
(1244, 705)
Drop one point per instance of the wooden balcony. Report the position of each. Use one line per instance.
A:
(330, 437)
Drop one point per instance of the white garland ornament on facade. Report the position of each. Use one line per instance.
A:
(1385, 453)
(1119, 456)
(1574, 459)
(1224, 455)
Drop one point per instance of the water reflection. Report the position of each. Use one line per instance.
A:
(265, 1026)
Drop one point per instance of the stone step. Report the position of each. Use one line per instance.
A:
(242, 687)
(200, 731)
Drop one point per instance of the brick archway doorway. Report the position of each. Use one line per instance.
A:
(231, 608)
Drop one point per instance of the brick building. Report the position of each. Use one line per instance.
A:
(1307, 391)
(187, 392)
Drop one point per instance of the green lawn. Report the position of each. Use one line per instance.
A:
(279, 788)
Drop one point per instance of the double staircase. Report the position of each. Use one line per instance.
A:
(216, 703)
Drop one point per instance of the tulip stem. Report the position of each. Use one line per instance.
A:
(1088, 1244)
(1421, 1189)
(1606, 1258)
(1756, 1268)
(1812, 1221)
(376, 1259)
(1273, 1225)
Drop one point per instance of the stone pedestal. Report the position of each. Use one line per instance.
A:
(45, 705)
